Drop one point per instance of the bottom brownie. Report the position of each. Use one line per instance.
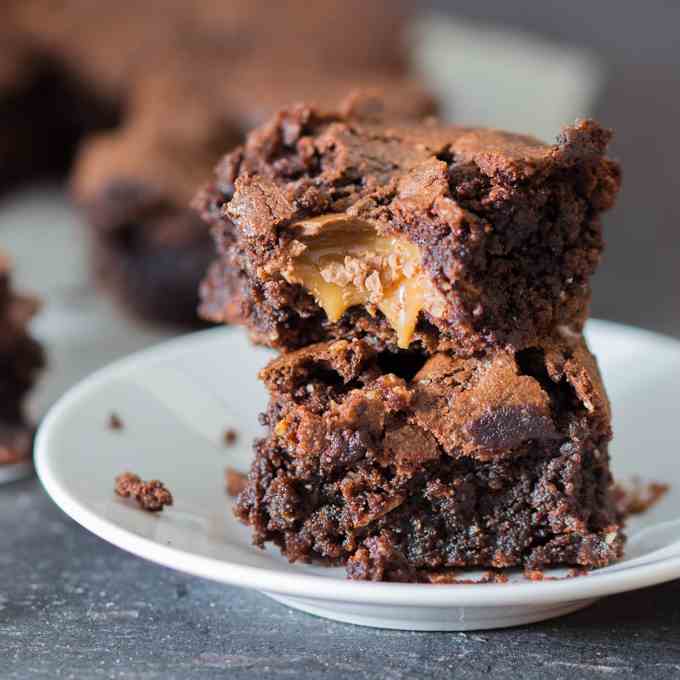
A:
(403, 467)
(21, 357)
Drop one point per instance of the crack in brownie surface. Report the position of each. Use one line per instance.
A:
(507, 228)
(464, 462)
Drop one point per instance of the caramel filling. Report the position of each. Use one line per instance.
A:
(343, 262)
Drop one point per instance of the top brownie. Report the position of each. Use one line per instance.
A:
(418, 234)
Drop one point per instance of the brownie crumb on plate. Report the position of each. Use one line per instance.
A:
(151, 496)
(230, 436)
(115, 422)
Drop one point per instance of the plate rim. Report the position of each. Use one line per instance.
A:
(305, 584)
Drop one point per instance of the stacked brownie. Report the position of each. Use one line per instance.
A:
(140, 96)
(434, 405)
(21, 358)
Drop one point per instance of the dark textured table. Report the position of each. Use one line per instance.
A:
(73, 606)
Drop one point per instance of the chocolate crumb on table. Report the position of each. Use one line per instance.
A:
(115, 422)
(230, 436)
(151, 496)
(235, 481)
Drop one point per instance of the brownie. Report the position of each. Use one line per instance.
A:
(169, 86)
(353, 224)
(21, 358)
(402, 466)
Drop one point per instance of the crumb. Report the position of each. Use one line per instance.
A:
(230, 436)
(127, 484)
(637, 497)
(151, 496)
(534, 574)
(236, 481)
(115, 423)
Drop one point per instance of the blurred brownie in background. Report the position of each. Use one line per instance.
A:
(21, 358)
(168, 87)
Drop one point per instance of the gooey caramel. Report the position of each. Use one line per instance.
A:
(343, 262)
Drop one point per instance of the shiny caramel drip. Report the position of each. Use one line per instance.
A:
(343, 262)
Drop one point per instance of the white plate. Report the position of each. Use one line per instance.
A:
(176, 400)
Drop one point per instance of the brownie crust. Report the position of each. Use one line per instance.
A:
(508, 227)
(402, 466)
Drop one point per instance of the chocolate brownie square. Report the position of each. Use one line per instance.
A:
(439, 237)
(402, 466)
(21, 358)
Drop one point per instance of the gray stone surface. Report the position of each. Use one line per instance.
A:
(73, 606)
